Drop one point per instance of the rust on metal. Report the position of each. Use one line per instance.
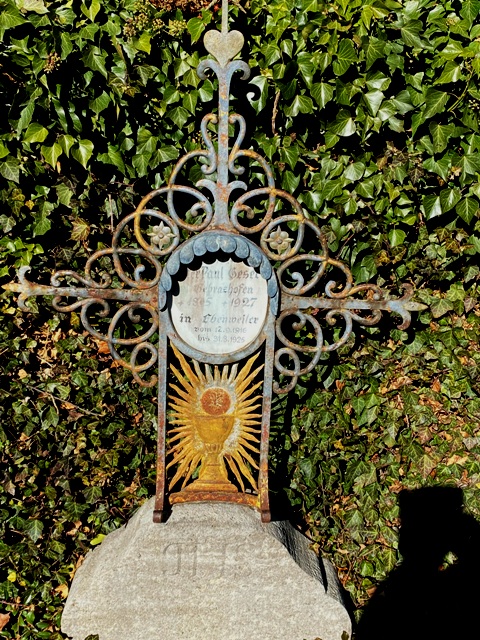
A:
(249, 499)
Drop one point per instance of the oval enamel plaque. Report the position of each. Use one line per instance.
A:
(221, 307)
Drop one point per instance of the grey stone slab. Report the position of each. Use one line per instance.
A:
(211, 572)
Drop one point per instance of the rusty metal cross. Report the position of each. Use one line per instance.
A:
(265, 231)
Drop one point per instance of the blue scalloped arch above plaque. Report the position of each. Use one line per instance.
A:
(212, 243)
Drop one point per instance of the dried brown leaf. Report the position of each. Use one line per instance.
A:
(62, 589)
(4, 619)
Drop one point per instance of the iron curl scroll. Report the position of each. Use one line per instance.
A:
(133, 293)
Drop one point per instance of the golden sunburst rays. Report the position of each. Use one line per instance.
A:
(215, 420)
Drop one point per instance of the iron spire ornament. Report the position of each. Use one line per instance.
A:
(222, 291)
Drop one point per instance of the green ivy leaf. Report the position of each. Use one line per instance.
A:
(95, 59)
(475, 241)
(470, 10)
(34, 529)
(354, 520)
(449, 198)
(92, 10)
(467, 208)
(300, 104)
(451, 73)
(195, 28)
(344, 124)
(307, 468)
(469, 164)
(67, 45)
(27, 112)
(374, 50)
(312, 200)
(74, 510)
(354, 171)
(290, 181)
(114, 157)
(143, 43)
(345, 57)
(141, 162)
(322, 93)
(435, 102)
(92, 494)
(331, 139)
(306, 67)
(205, 92)
(441, 134)
(10, 17)
(432, 206)
(411, 33)
(97, 105)
(440, 307)
(179, 116)
(389, 559)
(290, 155)
(167, 153)
(35, 133)
(365, 189)
(442, 167)
(51, 154)
(146, 142)
(10, 169)
(83, 152)
(66, 142)
(65, 15)
(332, 189)
(396, 237)
(472, 272)
(190, 101)
(64, 194)
(37, 6)
(455, 292)
(452, 50)
(374, 99)
(272, 53)
(364, 270)
(97, 540)
(40, 228)
(89, 31)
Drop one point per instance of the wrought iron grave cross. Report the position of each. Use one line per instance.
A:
(220, 283)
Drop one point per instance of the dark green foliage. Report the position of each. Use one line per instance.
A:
(368, 111)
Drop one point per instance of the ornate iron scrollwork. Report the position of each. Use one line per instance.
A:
(277, 232)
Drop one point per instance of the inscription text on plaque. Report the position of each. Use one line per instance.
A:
(221, 307)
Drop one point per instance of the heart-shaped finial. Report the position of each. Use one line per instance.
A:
(223, 45)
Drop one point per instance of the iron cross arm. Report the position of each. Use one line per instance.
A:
(91, 291)
(399, 306)
(297, 310)
(27, 289)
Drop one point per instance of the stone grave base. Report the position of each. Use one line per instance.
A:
(211, 572)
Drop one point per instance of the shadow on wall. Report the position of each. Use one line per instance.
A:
(425, 598)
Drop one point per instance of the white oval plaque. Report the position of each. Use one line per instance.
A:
(221, 307)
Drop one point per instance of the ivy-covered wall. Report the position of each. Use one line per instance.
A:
(368, 111)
